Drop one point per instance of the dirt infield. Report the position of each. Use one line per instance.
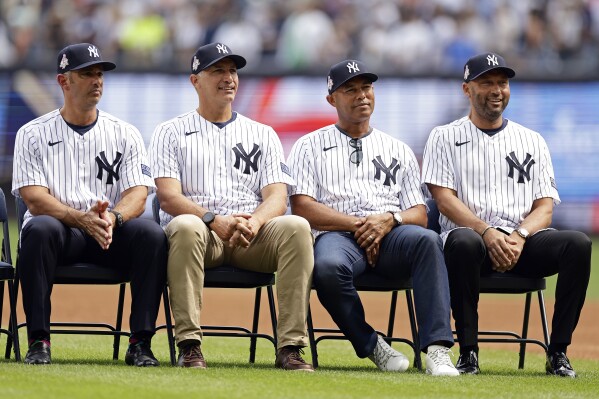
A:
(234, 307)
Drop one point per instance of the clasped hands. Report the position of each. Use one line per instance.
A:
(238, 230)
(369, 233)
(97, 222)
(504, 250)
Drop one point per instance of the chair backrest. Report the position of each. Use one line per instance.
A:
(6, 255)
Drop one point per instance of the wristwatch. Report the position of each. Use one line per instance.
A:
(522, 232)
(397, 218)
(208, 218)
(119, 218)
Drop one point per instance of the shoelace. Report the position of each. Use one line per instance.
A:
(441, 357)
(562, 361)
(193, 353)
(295, 354)
(383, 353)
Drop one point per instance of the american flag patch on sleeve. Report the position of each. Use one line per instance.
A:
(145, 169)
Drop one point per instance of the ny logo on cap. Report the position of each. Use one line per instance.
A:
(492, 59)
(329, 83)
(466, 72)
(93, 51)
(196, 63)
(64, 62)
(222, 49)
(352, 67)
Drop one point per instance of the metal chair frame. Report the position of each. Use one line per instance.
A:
(371, 282)
(7, 275)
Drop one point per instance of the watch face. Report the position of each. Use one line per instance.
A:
(523, 232)
(398, 218)
(208, 218)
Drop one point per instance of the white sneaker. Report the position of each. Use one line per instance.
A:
(388, 359)
(438, 362)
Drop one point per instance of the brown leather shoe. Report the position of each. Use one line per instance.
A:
(191, 356)
(289, 358)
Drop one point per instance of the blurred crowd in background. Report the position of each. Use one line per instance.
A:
(540, 38)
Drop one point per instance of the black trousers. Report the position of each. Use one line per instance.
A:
(139, 245)
(567, 253)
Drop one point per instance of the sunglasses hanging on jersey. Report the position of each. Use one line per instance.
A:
(356, 155)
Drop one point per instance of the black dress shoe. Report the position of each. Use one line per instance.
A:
(468, 363)
(558, 364)
(140, 355)
(38, 353)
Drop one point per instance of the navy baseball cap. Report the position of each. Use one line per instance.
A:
(484, 63)
(81, 55)
(212, 53)
(346, 70)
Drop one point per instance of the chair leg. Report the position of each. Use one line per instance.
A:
(525, 330)
(312, 339)
(255, 324)
(13, 327)
(392, 309)
(169, 326)
(413, 327)
(543, 318)
(273, 313)
(119, 322)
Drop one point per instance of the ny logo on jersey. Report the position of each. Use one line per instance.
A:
(352, 67)
(390, 172)
(93, 51)
(241, 154)
(222, 49)
(112, 169)
(523, 168)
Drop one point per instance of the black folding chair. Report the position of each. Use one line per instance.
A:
(506, 283)
(374, 283)
(7, 275)
(92, 274)
(227, 276)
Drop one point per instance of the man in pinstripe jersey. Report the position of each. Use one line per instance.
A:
(493, 182)
(222, 185)
(360, 190)
(84, 177)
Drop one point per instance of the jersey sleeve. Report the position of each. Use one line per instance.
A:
(411, 193)
(163, 150)
(275, 170)
(437, 165)
(135, 169)
(301, 163)
(546, 188)
(27, 162)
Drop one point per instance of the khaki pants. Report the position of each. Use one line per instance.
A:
(283, 245)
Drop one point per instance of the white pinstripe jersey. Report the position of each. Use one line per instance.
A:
(387, 179)
(79, 169)
(498, 177)
(222, 170)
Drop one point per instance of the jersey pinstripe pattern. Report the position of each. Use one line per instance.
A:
(320, 164)
(498, 177)
(50, 154)
(222, 170)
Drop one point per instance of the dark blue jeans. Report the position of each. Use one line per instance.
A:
(139, 245)
(406, 251)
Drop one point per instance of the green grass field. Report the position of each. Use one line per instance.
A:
(82, 369)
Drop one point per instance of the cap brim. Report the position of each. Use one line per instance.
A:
(237, 59)
(106, 65)
(370, 76)
(509, 72)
